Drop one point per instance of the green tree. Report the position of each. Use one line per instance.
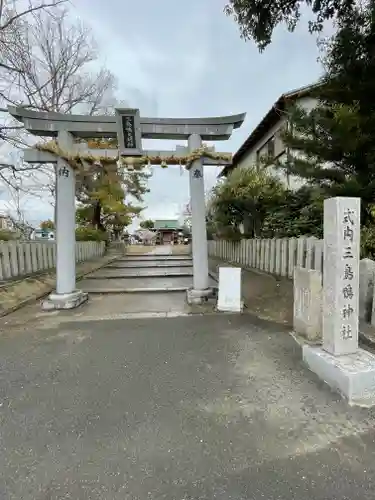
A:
(102, 196)
(258, 19)
(296, 213)
(47, 224)
(147, 224)
(336, 140)
(245, 197)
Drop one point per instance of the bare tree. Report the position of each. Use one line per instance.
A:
(49, 65)
(54, 60)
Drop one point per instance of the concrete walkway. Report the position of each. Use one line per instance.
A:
(199, 407)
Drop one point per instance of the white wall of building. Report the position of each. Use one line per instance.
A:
(249, 159)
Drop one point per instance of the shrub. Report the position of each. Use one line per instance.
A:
(7, 235)
(90, 234)
(368, 242)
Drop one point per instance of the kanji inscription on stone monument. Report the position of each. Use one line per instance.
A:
(341, 275)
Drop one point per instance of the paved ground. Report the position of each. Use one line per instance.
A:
(203, 407)
(197, 407)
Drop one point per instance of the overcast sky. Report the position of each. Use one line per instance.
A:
(184, 59)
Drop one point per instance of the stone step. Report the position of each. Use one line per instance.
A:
(137, 285)
(155, 257)
(118, 264)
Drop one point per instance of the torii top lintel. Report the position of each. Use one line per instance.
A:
(48, 124)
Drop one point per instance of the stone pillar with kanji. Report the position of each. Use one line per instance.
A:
(201, 287)
(66, 296)
(341, 275)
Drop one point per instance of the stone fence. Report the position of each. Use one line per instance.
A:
(276, 256)
(19, 259)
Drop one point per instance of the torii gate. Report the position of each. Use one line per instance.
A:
(129, 128)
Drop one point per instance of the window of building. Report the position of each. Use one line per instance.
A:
(271, 147)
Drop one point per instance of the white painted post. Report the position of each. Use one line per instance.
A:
(272, 256)
(278, 257)
(39, 256)
(13, 258)
(21, 258)
(257, 257)
(262, 254)
(301, 243)
(248, 250)
(310, 246)
(1, 262)
(292, 244)
(54, 252)
(50, 255)
(284, 257)
(198, 218)
(341, 275)
(45, 255)
(267, 256)
(7, 269)
(253, 253)
(34, 257)
(318, 256)
(28, 259)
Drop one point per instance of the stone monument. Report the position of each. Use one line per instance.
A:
(341, 363)
(129, 128)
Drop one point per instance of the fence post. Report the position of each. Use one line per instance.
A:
(278, 257)
(45, 255)
(267, 255)
(272, 256)
(13, 258)
(292, 242)
(310, 247)
(301, 243)
(318, 255)
(34, 259)
(249, 252)
(21, 258)
(39, 253)
(7, 269)
(284, 257)
(50, 255)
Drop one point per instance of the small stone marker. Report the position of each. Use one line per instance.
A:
(229, 299)
(366, 288)
(341, 275)
(307, 291)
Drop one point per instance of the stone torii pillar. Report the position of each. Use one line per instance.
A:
(201, 288)
(66, 296)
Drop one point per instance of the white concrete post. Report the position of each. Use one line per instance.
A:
(278, 257)
(272, 267)
(284, 257)
(318, 253)
(66, 296)
(292, 243)
(198, 219)
(341, 275)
